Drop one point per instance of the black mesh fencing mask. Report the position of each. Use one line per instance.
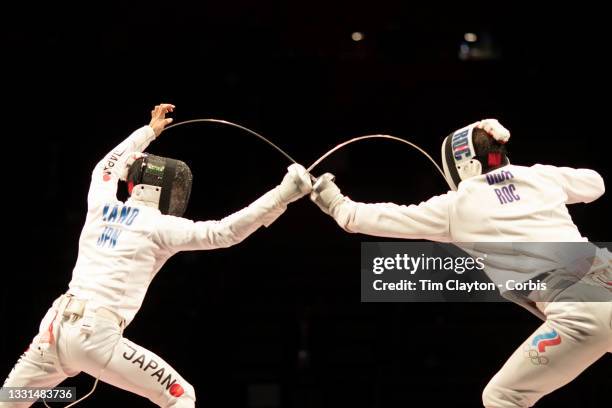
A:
(172, 176)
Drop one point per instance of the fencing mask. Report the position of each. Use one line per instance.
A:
(161, 181)
(460, 158)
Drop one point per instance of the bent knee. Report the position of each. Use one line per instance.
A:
(189, 392)
(496, 395)
(178, 395)
(183, 396)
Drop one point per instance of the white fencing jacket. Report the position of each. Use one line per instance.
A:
(124, 245)
(513, 204)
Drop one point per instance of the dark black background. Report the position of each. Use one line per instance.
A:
(77, 80)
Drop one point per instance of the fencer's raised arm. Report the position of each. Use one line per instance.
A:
(180, 234)
(113, 167)
(428, 220)
(580, 185)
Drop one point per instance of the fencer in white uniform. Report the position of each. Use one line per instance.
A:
(493, 201)
(122, 247)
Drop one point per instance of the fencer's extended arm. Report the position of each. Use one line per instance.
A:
(179, 234)
(428, 220)
(580, 185)
(112, 167)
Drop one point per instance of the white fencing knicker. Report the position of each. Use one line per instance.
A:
(574, 336)
(75, 337)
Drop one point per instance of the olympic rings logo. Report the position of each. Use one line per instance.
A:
(535, 357)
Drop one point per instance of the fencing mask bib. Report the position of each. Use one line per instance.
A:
(459, 157)
(161, 181)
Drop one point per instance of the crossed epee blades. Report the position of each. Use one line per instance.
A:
(320, 159)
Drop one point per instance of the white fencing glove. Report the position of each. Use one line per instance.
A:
(494, 129)
(326, 194)
(295, 185)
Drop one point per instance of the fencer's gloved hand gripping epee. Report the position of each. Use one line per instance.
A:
(326, 194)
(295, 185)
